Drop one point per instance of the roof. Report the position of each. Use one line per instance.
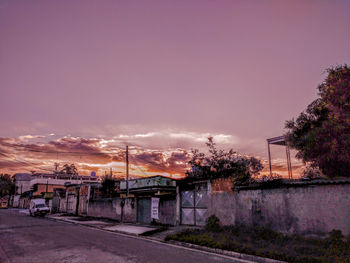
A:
(149, 182)
(294, 183)
(280, 140)
(23, 177)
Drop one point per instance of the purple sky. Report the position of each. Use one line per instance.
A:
(165, 74)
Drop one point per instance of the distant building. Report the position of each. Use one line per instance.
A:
(46, 183)
(22, 182)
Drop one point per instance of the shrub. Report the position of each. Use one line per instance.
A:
(213, 224)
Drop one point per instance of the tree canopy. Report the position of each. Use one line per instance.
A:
(69, 169)
(108, 187)
(321, 134)
(7, 185)
(223, 164)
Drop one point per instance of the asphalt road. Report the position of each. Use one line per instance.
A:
(27, 239)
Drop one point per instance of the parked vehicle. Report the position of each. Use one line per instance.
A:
(38, 207)
(4, 202)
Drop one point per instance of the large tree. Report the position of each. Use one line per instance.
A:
(108, 187)
(223, 164)
(321, 133)
(7, 185)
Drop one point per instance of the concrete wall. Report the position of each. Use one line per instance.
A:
(62, 205)
(115, 208)
(290, 209)
(105, 207)
(129, 210)
(125, 210)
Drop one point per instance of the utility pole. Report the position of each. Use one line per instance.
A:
(127, 171)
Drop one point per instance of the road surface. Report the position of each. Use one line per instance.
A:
(32, 239)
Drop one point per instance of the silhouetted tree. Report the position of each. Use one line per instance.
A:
(108, 187)
(69, 169)
(223, 164)
(321, 133)
(7, 185)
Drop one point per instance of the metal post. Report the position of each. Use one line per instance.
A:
(127, 171)
(268, 147)
(289, 163)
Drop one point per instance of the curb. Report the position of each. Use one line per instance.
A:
(183, 244)
(226, 252)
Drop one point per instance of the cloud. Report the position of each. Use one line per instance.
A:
(154, 152)
(89, 154)
(26, 138)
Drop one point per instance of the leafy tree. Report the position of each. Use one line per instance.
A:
(223, 164)
(69, 169)
(108, 187)
(7, 185)
(321, 133)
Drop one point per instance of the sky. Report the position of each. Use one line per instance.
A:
(159, 76)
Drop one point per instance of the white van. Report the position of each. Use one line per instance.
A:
(38, 207)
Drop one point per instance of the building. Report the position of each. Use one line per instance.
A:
(154, 198)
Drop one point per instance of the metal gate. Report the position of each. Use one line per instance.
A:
(144, 210)
(70, 204)
(194, 206)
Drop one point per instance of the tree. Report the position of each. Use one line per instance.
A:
(321, 134)
(223, 164)
(69, 169)
(7, 185)
(108, 187)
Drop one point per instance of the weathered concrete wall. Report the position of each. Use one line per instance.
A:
(116, 208)
(307, 208)
(63, 205)
(125, 210)
(129, 210)
(103, 208)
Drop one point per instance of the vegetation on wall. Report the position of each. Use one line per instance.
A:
(321, 133)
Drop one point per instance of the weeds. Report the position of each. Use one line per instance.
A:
(265, 242)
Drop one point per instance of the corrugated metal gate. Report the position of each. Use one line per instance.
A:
(144, 210)
(70, 204)
(194, 206)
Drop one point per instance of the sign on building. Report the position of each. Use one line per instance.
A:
(155, 208)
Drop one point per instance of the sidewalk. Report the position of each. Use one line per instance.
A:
(126, 228)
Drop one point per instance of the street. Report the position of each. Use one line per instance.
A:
(33, 239)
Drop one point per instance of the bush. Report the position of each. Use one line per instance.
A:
(213, 224)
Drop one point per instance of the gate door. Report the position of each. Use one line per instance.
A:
(70, 204)
(194, 208)
(144, 210)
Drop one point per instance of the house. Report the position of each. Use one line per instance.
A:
(154, 198)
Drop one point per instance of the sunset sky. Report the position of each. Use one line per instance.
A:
(80, 77)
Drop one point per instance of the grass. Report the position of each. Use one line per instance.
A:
(264, 242)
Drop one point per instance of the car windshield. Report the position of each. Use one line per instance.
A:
(40, 205)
